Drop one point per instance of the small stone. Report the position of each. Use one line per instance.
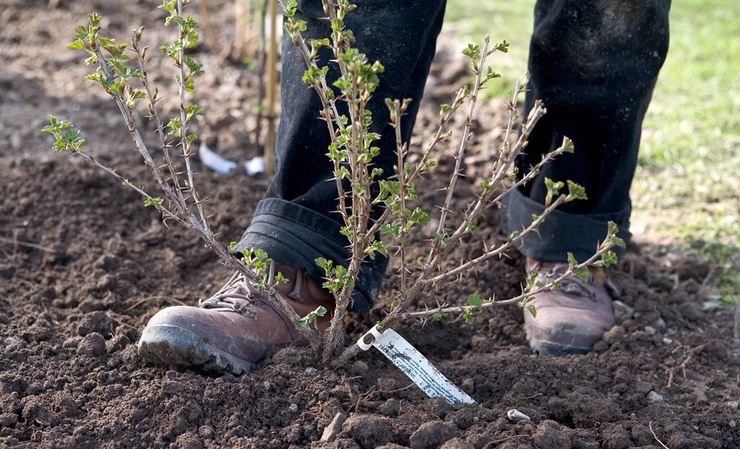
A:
(650, 330)
(432, 434)
(13, 343)
(733, 404)
(622, 311)
(92, 345)
(654, 397)
(334, 427)
(293, 408)
(614, 335)
(515, 415)
(733, 423)
(266, 385)
(468, 385)
(311, 371)
(667, 340)
(643, 387)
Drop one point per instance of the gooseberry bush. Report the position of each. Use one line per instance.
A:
(379, 211)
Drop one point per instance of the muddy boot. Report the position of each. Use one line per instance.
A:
(570, 319)
(231, 330)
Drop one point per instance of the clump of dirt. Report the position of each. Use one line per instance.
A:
(83, 266)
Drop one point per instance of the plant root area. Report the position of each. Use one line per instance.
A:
(83, 266)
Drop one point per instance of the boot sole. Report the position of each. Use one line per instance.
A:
(173, 345)
(549, 348)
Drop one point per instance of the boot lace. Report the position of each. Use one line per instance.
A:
(232, 297)
(572, 286)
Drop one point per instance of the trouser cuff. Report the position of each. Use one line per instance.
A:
(297, 236)
(561, 232)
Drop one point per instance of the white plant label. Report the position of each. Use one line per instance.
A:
(215, 161)
(414, 365)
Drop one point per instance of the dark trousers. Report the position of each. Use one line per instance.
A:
(593, 63)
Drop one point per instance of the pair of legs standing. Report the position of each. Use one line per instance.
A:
(593, 63)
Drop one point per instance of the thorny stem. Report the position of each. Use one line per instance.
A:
(499, 249)
(138, 141)
(401, 170)
(154, 115)
(182, 212)
(550, 285)
(184, 141)
(462, 147)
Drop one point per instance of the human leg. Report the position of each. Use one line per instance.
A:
(594, 64)
(296, 222)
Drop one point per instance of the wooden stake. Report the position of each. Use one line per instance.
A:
(211, 37)
(270, 138)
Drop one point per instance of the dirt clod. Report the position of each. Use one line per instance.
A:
(549, 436)
(369, 430)
(96, 321)
(432, 434)
(616, 437)
(457, 443)
(92, 345)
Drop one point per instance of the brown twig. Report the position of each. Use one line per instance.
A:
(650, 426)
(16, 242)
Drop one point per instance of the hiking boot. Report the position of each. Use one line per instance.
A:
(571, 318)
(233, 329)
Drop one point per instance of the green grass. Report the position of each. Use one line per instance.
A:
(687, 187)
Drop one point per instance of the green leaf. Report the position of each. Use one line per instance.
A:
(475, 300)
(472, 51)
(77, 44)
(567, 146)
(153, 202)
(468, 315)
(532, 309)
(575, 192)
(572, 262)
(553, 189)
(608, 258)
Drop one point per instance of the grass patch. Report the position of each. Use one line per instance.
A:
(686, 186)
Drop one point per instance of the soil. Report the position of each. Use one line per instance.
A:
(83, 266)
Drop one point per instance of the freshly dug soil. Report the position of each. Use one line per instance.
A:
(83, 265)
